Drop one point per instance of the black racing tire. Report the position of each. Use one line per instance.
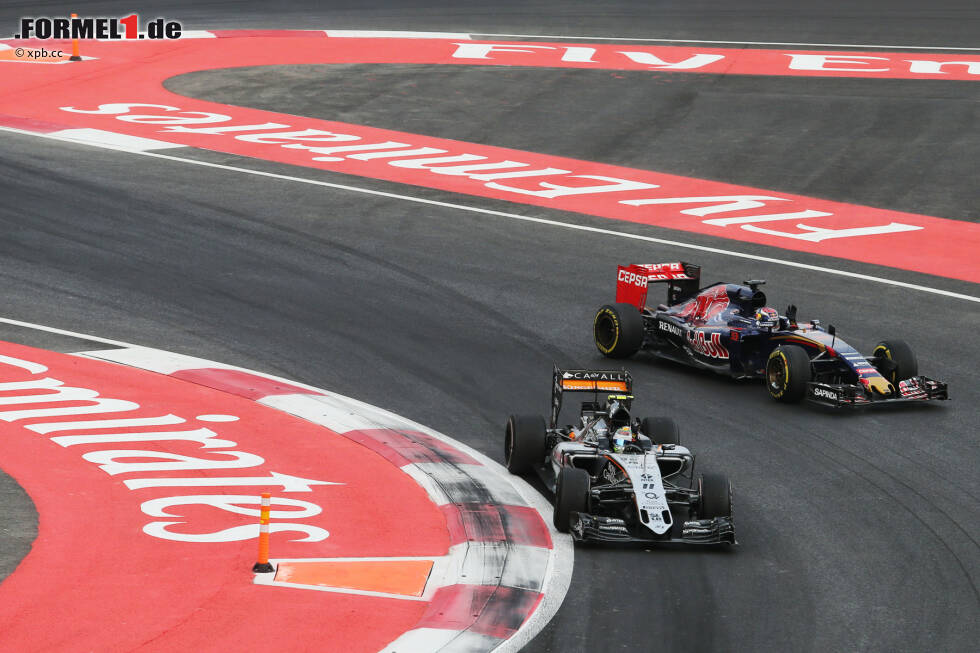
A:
(618, 330)
(716, 496)
(662, 430)
(524, 442)
(904, 364)
(787, 373)
(572, 493)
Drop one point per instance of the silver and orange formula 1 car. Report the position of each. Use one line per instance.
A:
(617, 478)
(728, 328)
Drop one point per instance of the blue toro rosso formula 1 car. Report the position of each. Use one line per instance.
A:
(728, 328)
(617, 478)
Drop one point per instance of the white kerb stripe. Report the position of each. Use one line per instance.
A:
(336, 413)
(154, 360)
(499, 563)
(436, 494)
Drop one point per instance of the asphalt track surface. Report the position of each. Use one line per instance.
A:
(857, 531)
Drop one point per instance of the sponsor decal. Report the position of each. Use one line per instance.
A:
(911, 388)
(595, 381)
(665, 271)
(664, 267)
(632, 278)
(669, 327)
(106, 29)
(595, 376)
(431, 164)
(824, 392)
(741, 61)
(707, 305)
(707, 345)
(58, 400)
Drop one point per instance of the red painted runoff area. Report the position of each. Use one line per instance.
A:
(120, 90)
(147, 489)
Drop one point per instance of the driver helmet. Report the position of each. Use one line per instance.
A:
(622, 435)
(767, 318)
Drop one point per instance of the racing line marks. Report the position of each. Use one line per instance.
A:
(512, 216)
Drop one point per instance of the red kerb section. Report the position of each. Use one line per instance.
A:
(405, 447)
(474, 522)
(485, 609)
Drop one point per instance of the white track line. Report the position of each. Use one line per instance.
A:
(808, 45)
(63, 332)
(514, 216)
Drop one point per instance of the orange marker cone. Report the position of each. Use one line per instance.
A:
(75, 56)
(263, 566)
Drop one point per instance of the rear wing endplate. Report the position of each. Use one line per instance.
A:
(595, 381)
(632, 281)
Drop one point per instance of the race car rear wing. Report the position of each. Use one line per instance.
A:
(595, 381)
(682, 281)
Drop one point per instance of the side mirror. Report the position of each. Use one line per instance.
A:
(831, 329)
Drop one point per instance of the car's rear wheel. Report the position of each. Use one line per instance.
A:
(524, 442)
(618, 330)
(897, 360)
(571, 495)
(716, 496)
(662, 430)
(787, 373)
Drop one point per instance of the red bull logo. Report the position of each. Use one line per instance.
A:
(709, 345)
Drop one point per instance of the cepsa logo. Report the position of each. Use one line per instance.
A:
(127, 27)
(632, 278)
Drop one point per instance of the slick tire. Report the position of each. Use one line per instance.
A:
(787, 373)
(571, 495)
(524, 442)
(902, 362)
(716, 496)
(662, 430)
(618, 330)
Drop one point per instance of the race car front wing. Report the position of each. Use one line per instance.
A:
(594, 528)
(839, 395)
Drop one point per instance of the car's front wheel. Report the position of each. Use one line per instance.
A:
(897, 362)
(524, 442)
(572, 493)
(716, 496)
(787, 373)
